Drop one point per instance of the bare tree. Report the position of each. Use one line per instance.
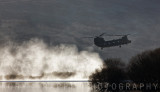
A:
(144, 67)
(113, 71)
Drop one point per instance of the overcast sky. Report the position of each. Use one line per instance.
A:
(67, 21)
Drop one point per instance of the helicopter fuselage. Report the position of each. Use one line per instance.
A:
(100, 42)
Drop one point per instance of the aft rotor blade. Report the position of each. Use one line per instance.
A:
(116, 35)
(128, 34)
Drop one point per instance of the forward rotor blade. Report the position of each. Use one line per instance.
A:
(114, 35)
(102, 34)
(88, 37)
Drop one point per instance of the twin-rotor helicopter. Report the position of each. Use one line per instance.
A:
(100, 42)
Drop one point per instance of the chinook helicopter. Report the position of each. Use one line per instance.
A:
(100, 42)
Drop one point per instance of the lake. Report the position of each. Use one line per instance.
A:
(45, 87)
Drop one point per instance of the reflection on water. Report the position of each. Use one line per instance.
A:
(52, 87)
(45, 87)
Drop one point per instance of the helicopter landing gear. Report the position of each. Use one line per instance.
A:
(120, 46)
(101, 48)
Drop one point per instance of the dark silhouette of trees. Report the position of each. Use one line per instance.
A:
(145, 67)
(113, 72)
(142, 68)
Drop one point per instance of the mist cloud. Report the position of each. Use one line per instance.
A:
(34, 59)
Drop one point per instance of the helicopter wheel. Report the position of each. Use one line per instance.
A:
(120, 46)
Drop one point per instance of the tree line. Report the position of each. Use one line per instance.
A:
(142, 68)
